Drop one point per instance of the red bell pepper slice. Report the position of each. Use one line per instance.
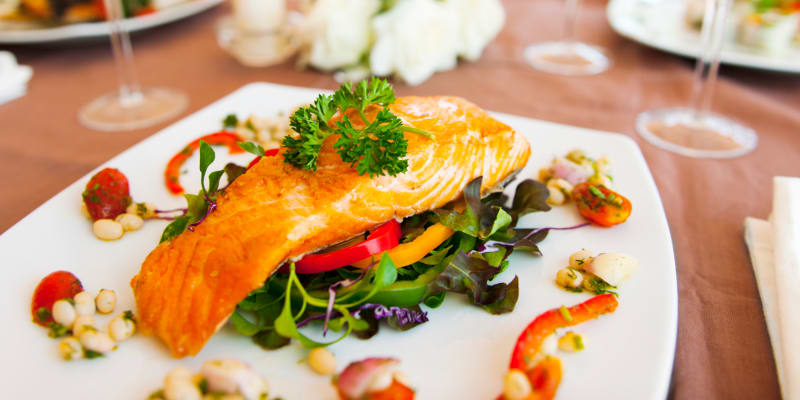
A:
(385, 237)
(172, 173)
(545, 375)
(530, 341)
(267, 153)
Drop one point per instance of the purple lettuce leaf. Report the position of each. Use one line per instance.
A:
(471, 275)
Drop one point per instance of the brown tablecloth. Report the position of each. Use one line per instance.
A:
(723, 350)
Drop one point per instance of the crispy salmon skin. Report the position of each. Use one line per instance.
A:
(187, 288)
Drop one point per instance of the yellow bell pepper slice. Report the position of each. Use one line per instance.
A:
(408, 253)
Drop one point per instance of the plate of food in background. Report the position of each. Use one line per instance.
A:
(758, 34)
(47, 21)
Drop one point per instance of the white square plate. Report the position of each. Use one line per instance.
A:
(462, 353)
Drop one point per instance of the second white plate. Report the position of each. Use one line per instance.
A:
(660, 24)
(10, 34)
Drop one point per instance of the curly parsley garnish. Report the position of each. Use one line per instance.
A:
(378, 148)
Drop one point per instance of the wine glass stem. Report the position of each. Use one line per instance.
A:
(129, 89)
(570, 19)
(707, 67)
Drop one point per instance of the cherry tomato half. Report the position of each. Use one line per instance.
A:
(56, 286)
(601, 205)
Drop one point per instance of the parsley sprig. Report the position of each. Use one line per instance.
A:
(378, 148)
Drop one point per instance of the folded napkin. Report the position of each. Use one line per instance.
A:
(13, 77)
(775, 252)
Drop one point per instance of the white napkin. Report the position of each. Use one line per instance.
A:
(13, 77)
(775, 252)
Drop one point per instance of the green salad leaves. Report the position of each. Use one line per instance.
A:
(350, 300)
(198, 206)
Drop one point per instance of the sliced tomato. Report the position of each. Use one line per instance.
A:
(173, 171)
(395, 391)
(530, 341)
(107, 194)
(56, 286)
(267, 153)
(385, 237)
(601, 205)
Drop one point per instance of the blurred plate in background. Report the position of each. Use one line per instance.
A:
(661, 24)
(29, 33)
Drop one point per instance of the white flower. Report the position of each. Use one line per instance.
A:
(479, 22)
(415, 39)
(337, 32)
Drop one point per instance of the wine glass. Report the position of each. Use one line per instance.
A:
(131, 107)
(568, 56)
(695, 131)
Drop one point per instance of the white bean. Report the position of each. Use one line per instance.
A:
(81, 324)
(97, 341)
(516, 385)
(70, 348)
(106, 229)
(559, 190)
(143, 210)
(569, 278)
(322, 361)
(613, 268)
(556, 197)
(105, 301)
(178, 385)
(232, 376)
(64, 313)
(600, 180)
(121, 328)
(130, 222)
(570, 342)
(84, 303)
(579, 259)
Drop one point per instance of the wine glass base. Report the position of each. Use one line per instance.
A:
(147, 108)
(684, 131)
(567, 58)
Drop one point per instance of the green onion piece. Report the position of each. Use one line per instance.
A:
(595, 191)
(577, 340)
(565, 313)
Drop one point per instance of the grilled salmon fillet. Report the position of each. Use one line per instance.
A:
(187, 288)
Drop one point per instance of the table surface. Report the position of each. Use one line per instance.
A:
(723, 351)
